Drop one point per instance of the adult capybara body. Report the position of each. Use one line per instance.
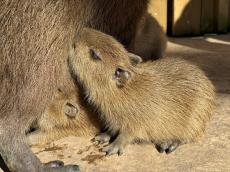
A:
(34, 41)
(150, 41)
(35, 36)
(166, 102)
(123, 15)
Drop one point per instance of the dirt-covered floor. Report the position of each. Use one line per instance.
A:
(211, 154)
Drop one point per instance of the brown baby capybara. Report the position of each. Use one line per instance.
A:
(35, 37)
(166, 102)
(67, 115)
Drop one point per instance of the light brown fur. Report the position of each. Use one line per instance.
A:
(35, 37)
(55, 124)
(160, 101)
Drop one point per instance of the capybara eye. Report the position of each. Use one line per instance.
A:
(118, 72)
(94, 54)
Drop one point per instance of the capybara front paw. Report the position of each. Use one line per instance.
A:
(102, 138)
(55, 164)
(67, 168)
(113, 149)
(167, 147)
(172, 147)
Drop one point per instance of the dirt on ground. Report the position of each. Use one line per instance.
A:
(211, 153)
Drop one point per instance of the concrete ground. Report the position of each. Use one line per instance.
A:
(211, 154)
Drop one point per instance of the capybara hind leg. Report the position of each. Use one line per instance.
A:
(167, 147)
(172, 147)
(161, 147)
(11, 147)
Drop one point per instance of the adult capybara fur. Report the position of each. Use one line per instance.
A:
(150, 41)
(66, 115)
(35, 37)
(166, 102)
(119, 18)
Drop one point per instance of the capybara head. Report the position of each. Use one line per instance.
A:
(97, 57)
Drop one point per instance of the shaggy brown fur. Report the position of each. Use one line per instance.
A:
(150, 40)
(118, 18)
(57, 123)
(35, 36)
(165, 101)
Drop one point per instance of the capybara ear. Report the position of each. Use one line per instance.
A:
(135, 59)
(121, 76)
(95, 54)
(71, 109)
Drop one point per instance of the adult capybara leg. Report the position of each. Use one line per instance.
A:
(17, 154)
(19, 158)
